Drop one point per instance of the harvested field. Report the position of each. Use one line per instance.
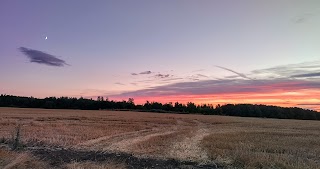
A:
(124, 139)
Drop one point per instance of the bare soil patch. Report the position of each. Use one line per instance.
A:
(58, 158)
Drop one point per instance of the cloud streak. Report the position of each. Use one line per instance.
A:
(142, 73)
(42, 57)
(145, 72)
(162, 75)
(309, 104)
(305, 70)
(308, 75)
(287, 77)
(239, 74)
(118, 83)
(304, 17)
(286, 85)
(225, 86)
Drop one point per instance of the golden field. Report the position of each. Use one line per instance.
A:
(228, 142)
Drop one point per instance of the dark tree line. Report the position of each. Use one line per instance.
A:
(243, 110)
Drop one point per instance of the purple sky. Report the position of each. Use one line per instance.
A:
(124, 48)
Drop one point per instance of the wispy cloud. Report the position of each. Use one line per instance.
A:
(172, 79)
(159, 75)
(286, 85)
(201, 75)
(42, 57)
(118, 83)
(302, 18)
(145, 72)
(309, 104)
(225, 86)
(199, 70)
(197, 77)
(239, 74)
(142, 73)
(308, 75)
(305, 69)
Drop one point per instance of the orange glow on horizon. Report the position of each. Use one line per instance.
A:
(309, 99)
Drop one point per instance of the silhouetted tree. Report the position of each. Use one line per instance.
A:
(245, 110)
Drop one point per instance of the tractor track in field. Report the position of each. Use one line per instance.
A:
(189, 148)
(104, 140)
(124, 141)
(186, 147)
(183, 151)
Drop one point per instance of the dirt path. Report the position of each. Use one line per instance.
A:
(184, 146)
(98, 142)
(189, 148)
(127, 145)
(124, 142)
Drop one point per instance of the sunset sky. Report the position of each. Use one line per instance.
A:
(208, 51)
